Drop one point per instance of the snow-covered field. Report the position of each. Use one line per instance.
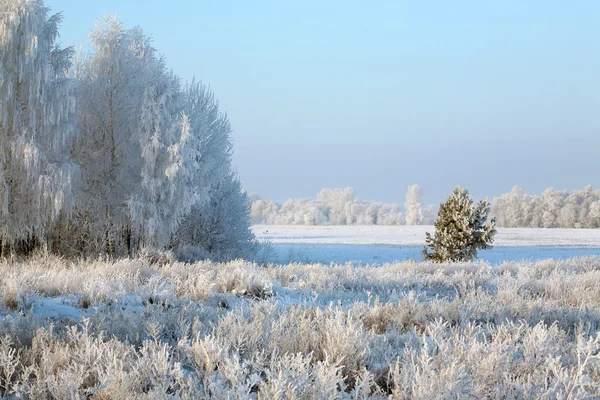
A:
(134, 329)
(387, 244)
(415, 235)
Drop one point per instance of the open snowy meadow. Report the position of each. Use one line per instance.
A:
(377, 245)
(155, 328)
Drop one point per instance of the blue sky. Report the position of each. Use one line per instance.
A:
(382, 94)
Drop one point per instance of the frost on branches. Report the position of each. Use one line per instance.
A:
(553, 209)
(36, 109)
(414, 210)
(460, 229)
(154, 152)
(109, 154)
(342, 207)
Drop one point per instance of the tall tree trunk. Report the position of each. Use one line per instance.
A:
(2, 245)
(110, 250)
(128, 240)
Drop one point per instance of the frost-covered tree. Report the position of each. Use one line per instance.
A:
(151, 153)
(163, 196)
(210, 148)
(460, 230)
(264, 212)
(560, 209)
(338, 203)
(219, 221)
(508, 208)
(413, 206)
(133, 139)
(36, 122)
(429, 215)
(220, 228)
(553, 209)
(107, 148)
(331, 207)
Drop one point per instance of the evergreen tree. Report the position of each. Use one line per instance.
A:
(460, 229)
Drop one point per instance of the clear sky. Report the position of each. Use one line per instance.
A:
(382, 94)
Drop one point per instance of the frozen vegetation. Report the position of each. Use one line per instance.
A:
(151, 328)
(342, 207)
(109, 152)
(109, 156)
(552, 209)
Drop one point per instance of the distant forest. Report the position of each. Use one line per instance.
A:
(551, 209)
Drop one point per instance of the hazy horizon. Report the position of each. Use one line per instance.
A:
(379, 96)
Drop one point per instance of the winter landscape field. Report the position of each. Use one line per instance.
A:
(152, 327)
(139, 260)
(377, 245)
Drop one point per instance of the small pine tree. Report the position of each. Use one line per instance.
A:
(460, 229)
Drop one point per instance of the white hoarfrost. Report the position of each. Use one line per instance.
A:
(342, 207)
(160, 174)
(134, 328)
(413, 206)
(36, 122)
(109, 154)
(552, 209)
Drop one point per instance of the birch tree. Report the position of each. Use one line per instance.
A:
(414, 210)
(131, 137)
(219, 221)
(36, 122)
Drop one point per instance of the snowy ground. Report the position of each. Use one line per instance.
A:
(415, 235)
(386, 244)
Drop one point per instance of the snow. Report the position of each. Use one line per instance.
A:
(379, 254)
(378, 245)
(415, 235)
(58, 307)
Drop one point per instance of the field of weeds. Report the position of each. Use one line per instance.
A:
(157, 329)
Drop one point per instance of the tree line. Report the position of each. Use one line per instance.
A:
(342, 207)
(109, 152)
(551, 209)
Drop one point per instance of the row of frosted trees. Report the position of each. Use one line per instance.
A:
(342, 207)
(552, 209)
(109, 152)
